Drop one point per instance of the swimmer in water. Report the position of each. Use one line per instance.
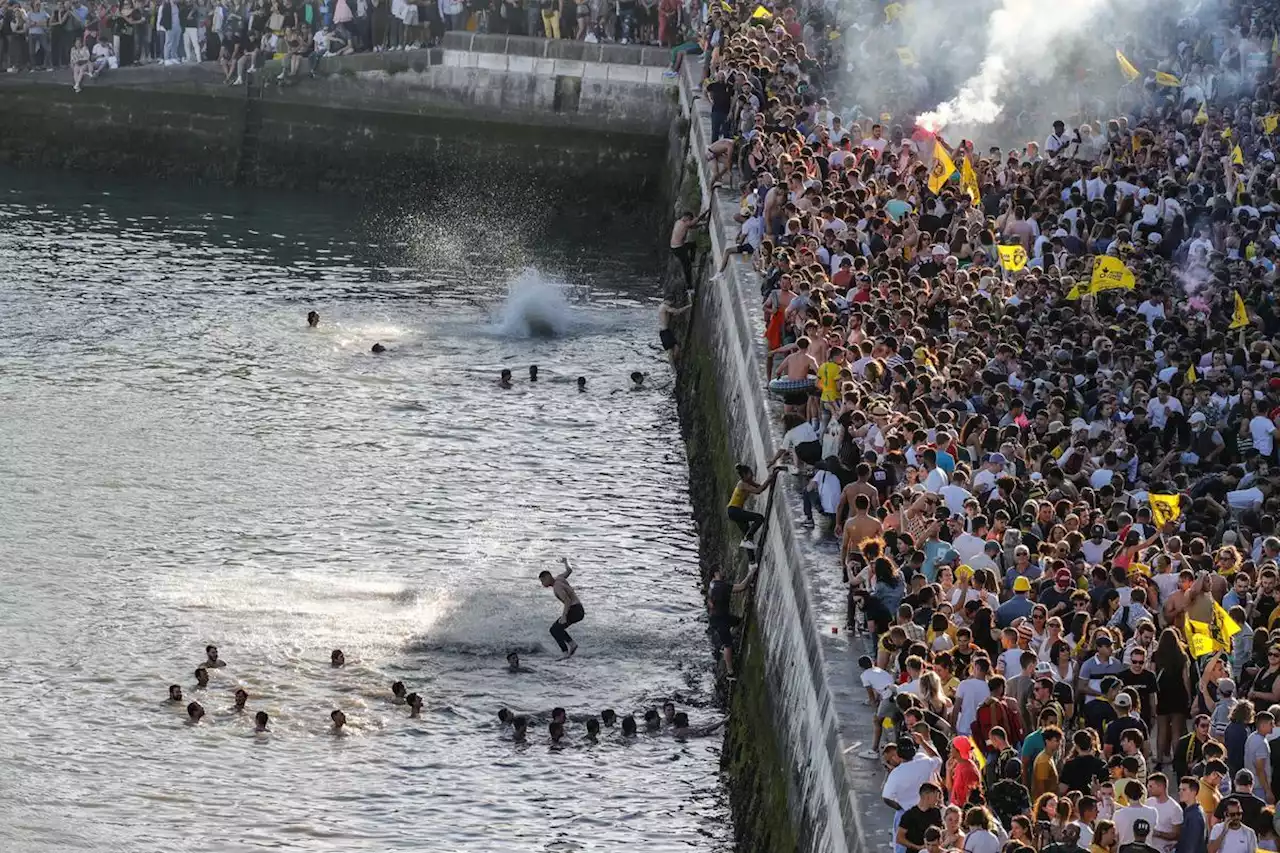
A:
(504, 378)
(593, 729)
(505, 717)
(398, 693)
(414, 701)
(582, 384)
(211, 658)
(202, 677)
(339, 722)
(572, 612)
(682, 729)
(175, 692)
(513, 663)
(337, 658)
(652, 722)
(533, 373)
(242, 696)
(313, 319)
(668, 712)
(637, 380)
(520, 726)
(557, 732)
(194, 712)
(260, 721)
(608, 717)
(628, 726)
(559, 716)
(377, 348)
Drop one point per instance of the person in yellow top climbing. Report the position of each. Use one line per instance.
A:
(829, 380)
(737, 511)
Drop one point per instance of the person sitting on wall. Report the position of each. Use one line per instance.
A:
(104, 57)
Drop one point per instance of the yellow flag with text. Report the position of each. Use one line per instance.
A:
(1163, 79)
(761, 12)
(1127, 67)
(942, 169)
(1239, 316)
(1164, 508)
(1204, 638)
(969, 180)
(1109, 274)
(1013, 258)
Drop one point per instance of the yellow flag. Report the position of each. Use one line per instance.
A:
(1126, 67)
(1080, 288)
(761, 12)
(942, 169)
(905, 56)
(969, 180)
(1164, 508)
(1191, 375)
(1204, 638)
(1202, 115)
(1226, 134)
(892, 11)
(1239, 316)
(1163, 79)
(1014, 258)
(1109, 274)
(1269, 123)
(1237, 156)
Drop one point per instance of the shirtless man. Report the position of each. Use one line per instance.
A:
(504, 378)
(337, 659)
(414, 701)
(721, 154)
(861, 486)
(681, 244)
(796, 371)
(339, 722)
(175, 693)
(862, 527)
(242, 697)
(775, 313)
(666, 311)
(313, 319)
(572, 612)
(260, 721)
(212, 662)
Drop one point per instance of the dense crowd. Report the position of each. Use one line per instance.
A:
(92, 37)
(1033, 395)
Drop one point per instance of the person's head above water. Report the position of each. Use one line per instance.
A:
(546, 578)
(414, 701)
(377, 348)
(242, 696)
(558, 715)
(593, 727)
(260, 721)
(628, 725)
(337, 658)
(195, 711)
(504, 378)
(533, 373)
(175, 692)
(608, 717)
(557, 731)
(651, 719)
(202, 677)
(681, 720)
(668, 711)
(505, 716)
(211, 652)
(397, 689)
(513, 660)
(313, 318)
(339, 719)
(637, 378)
(582, 383)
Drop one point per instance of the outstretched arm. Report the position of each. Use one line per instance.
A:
(568, 569)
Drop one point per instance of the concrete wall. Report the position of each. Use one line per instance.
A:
(790, 654)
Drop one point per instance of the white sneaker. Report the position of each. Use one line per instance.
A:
(77, 89)
(239, 82)
(869, 754)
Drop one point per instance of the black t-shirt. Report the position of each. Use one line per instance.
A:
(1079, 773)
(721, 96)
(1097, 713)
(1250, 805)
(1145, 684)
(916, 820)
(1137, 847)
(1121, 725)
(720, 592)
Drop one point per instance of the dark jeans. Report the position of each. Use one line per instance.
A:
(719, 125)
(559, 629)
(684, 254)
(812, 501)
(749, 522)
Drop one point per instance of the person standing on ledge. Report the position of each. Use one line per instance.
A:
(681, 244)
(573, 611)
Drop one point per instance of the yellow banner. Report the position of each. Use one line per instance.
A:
(942, 169)
(1013, 258)
(1202, 115)
(1165, 508)
(1237, 156)
(1110, 273)
(1205, 638)
(1126, 67)
(1191, 375)
(1163, 79)
(1239, 316)
(969, 181)
(1270, 123)
(761, 12)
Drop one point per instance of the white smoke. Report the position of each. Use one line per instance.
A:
(1023, 37)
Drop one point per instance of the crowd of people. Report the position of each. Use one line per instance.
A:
(1031, 394)
(92, 37)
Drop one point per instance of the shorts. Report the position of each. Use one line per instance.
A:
(745, 249)
(722, 628)
(668, 339)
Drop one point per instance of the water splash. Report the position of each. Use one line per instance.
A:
(536, 307)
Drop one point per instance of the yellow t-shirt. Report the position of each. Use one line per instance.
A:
(829, 381)
(1208, 797)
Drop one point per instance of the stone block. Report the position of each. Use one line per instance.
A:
(457, 40)
(627, 73)
(486, 43)
(620, 54)
(595, 71)
(562, 49)
(491, 61)
(569, 68)
(526, 46)
(521, 64)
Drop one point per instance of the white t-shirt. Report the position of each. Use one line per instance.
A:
(1170, 816)
(1250, 498)
(967, 545)
(984, 481)
(878, 146)
(877, 679)
(1093, 553)
(1126, 816)
(981, 841)
(1242, 840)
(903, 782)
(1262, 430)
(936, 479)
(1150, 311)
(971, 693)
(954, 497)
(1159, 412)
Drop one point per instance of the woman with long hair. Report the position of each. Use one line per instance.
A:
(1104, 837)
(931, 693)
(985, 636)
(887, 592)
(952, 831)
(1173, 693)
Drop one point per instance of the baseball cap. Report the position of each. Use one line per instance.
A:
(1062, 575)
(1226, 687)
(1197, 418)
(1021, 584)
(1123, 701)
(997, 459)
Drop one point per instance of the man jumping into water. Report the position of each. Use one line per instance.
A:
(573, 611)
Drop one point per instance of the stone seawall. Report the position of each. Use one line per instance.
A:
(797, 711)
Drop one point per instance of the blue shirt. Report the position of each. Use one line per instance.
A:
(1192, 839)
(946, 462)
(934, 550)
(1018, 606)
(1033, 573)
